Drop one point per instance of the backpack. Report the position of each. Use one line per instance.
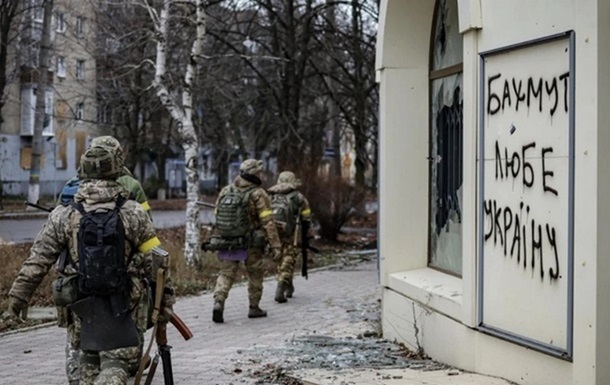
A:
(232, 218)
(102, 269)
(69, 190)
(285, 208)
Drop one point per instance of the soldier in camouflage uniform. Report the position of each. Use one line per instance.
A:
(261, 219)
(126, 179)
(291, 243)
(136, 192)
(99, 190)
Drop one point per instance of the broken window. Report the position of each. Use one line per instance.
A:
(446, 133)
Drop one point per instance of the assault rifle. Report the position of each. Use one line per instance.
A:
(39, 207)
(302, 229)
(160, 334)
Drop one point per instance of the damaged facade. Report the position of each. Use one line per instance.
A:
(494, 188)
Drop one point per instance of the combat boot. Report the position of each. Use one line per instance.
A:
(289, 289)
(256, 312)
(219, 308)
(279, 292)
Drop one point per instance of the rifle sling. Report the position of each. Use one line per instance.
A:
(155, 316)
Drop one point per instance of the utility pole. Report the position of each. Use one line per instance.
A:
(39, 116)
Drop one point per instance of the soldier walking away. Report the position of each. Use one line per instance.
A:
(136, 192)
(244, 224)
(109, 241)
(126, 179)
(292, 216)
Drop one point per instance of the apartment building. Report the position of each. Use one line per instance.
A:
(71, 112)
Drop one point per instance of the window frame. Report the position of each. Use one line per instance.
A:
(79, 26)
(79, 71)
(62, 70)
(436, 74)
(60, 22)
(79, 112)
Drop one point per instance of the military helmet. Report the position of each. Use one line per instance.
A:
(288, 177)
(112, 143)
(251, 166)
(99, 163)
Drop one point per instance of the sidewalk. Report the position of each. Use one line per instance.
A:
(324, 335)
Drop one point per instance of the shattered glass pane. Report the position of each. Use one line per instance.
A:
(447, 42)
(445, 231)
(446, 174)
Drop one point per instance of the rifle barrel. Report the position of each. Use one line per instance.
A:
(205, 204)
(39, 207)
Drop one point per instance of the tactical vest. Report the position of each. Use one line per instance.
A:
(285, 208)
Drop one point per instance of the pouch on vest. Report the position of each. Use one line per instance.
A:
(101, 330)
(216, 242)
(65, 290)
(285, 210)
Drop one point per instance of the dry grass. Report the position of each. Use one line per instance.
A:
(187, 280)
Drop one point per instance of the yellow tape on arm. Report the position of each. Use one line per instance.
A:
(306, 212)
(148, 245)
(264, 214)
(145, 206)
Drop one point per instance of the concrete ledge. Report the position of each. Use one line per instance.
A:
(439, 291)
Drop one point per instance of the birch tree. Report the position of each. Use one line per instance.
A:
(179, 104)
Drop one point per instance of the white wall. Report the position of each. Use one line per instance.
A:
(437, 312)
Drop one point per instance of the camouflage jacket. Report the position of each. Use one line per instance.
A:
(59, 233)
(259, 210)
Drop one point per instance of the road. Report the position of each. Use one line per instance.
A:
(332, 303)
(25, 227)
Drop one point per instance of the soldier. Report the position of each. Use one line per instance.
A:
(107, 305)
(292, 215)
(126, 179)
(136, 192)
(244, 224)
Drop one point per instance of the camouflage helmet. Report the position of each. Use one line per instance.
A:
(99, 163)
(251, 166)
(288, 177)
(112, 143)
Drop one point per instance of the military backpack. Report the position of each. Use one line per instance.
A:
(234, 230)
(285, 208)
(102, 269)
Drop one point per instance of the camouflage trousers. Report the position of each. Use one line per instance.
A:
(287, 262)
(86, 366)
(228, 272)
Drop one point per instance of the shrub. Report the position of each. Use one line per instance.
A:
(333, 202)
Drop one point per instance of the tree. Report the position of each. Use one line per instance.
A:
(181, 109)
(39, 117)
(9, 10)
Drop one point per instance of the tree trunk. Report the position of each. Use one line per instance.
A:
(8, 11)
(183, 114)
(39, 117)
